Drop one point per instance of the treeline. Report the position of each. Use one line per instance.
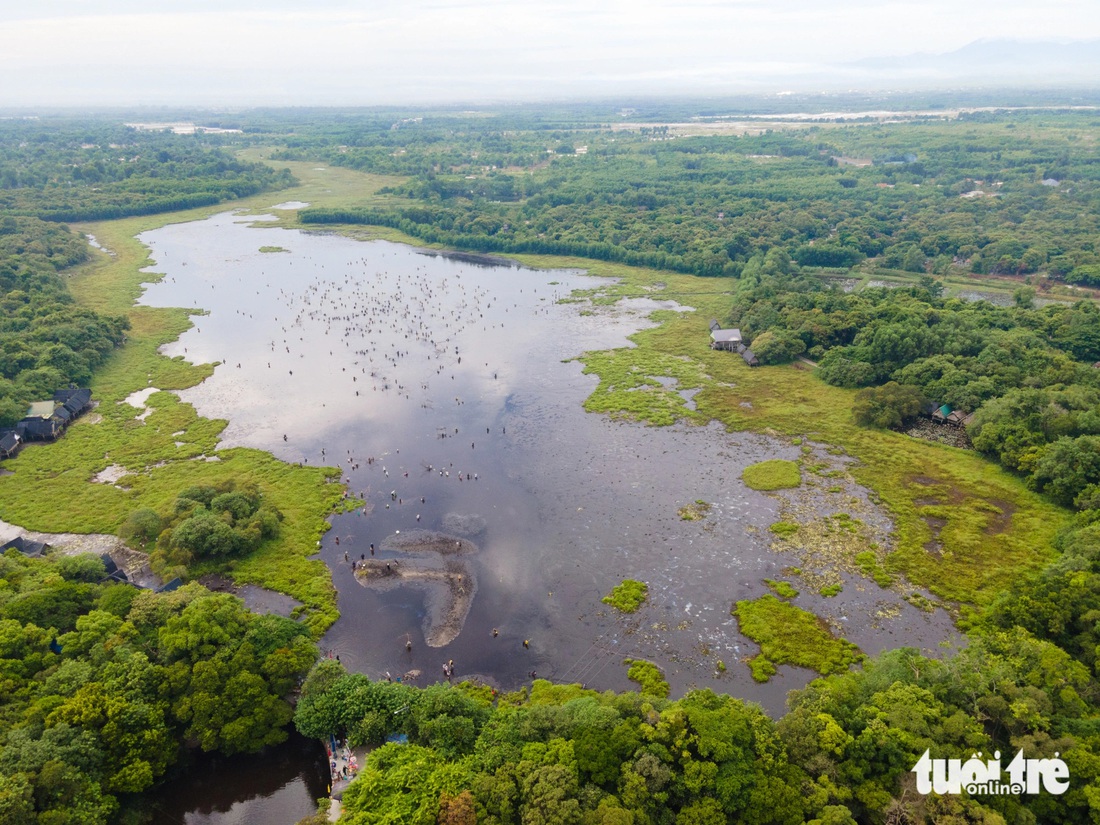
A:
(1025, 371)
(47, 342)
(103, 686)
(422, 224)
(843, 753)
(98, 170)
(1007, 193)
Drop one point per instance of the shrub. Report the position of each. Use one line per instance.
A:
(648, 676)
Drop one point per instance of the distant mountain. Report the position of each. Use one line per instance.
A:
(1000, 60)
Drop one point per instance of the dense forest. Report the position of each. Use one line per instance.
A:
(985, 195)
(97, 170)
(103, 686)
(47, 341)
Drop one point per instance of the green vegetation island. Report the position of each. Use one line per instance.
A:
(913, 297)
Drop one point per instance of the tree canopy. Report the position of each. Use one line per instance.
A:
(103, 685)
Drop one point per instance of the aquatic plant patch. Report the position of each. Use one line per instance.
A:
(773, 474)
(649, 678)
(784, 529)
(628, 596)
(782, 589)
(695, 511)
(788, 635)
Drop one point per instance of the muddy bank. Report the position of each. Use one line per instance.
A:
(464, 524)
(431, 565)
(257, 599)
(475, 258)
(428, 541)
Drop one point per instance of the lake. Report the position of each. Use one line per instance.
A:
(447, 390)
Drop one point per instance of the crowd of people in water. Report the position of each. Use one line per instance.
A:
(384, 322)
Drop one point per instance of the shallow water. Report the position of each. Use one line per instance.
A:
(447, 392)
(443, 370)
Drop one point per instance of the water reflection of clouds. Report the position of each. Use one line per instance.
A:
(572, 503)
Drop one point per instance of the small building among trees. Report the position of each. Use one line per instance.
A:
(76, 401)
(26, 546)
(942, 413)
(726, 339)
(10, 444)
(46, 420)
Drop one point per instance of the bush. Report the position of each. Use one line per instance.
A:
(777, 346)
(649, 677)
(141, 526)
(204, 534)
(87, 567)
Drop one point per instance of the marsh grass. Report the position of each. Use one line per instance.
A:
(784, 590)
(773, 474)
(788, 635)
(628, 596)
(979, 560)
(628, 387)
(649, 678)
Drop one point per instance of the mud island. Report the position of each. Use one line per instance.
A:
(448, 583)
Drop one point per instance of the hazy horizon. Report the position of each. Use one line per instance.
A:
(341, 52)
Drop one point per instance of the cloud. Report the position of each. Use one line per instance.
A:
(64, 51)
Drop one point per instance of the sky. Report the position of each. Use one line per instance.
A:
(364, 52)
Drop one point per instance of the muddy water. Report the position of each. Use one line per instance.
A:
(448, 394)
